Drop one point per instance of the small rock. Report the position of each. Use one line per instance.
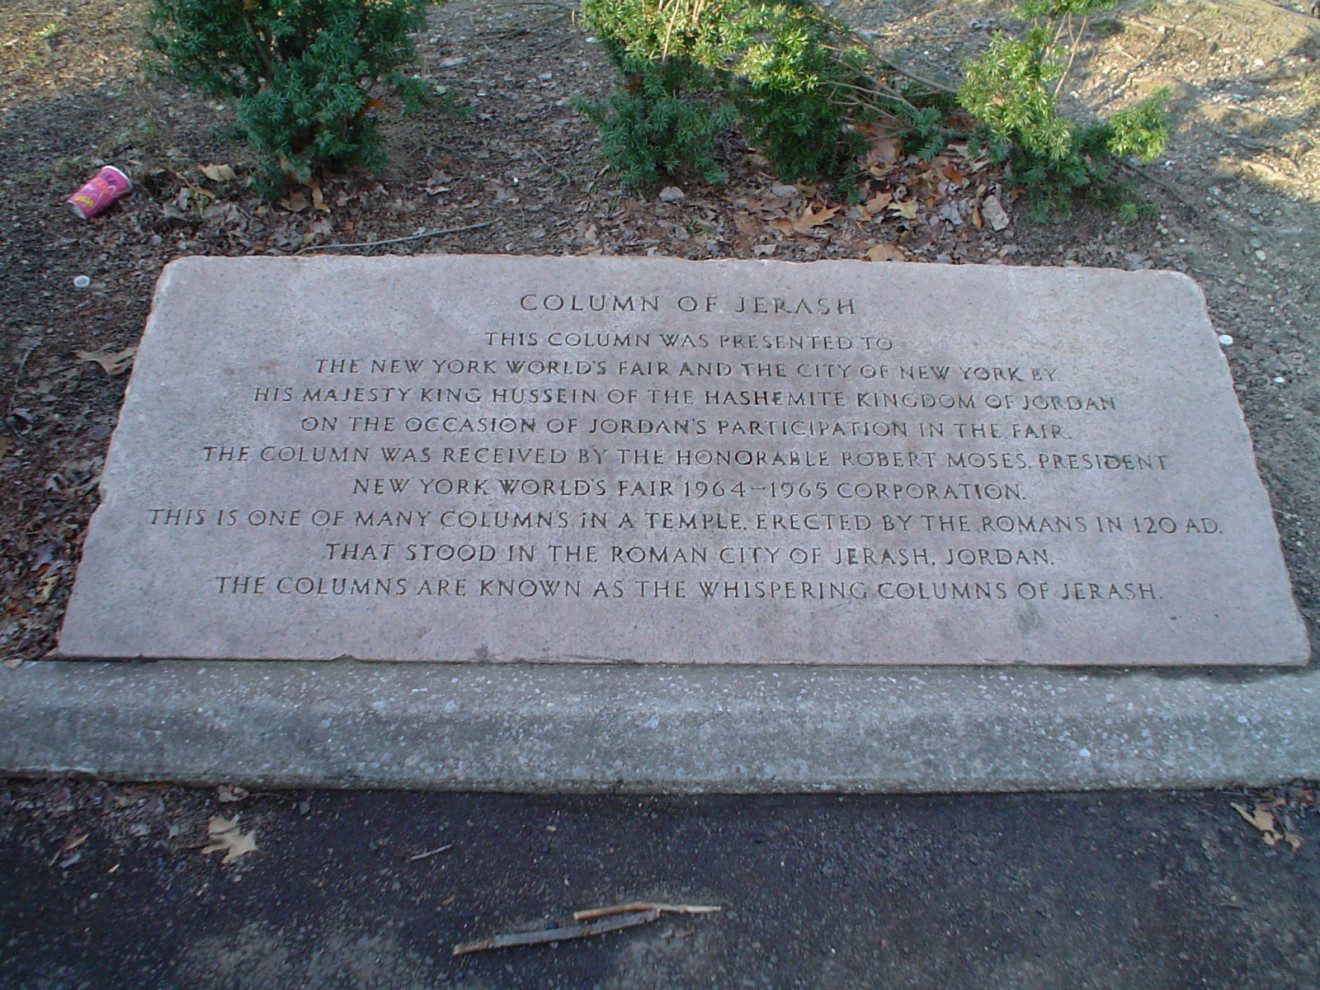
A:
(672, 194)
(449, 63)
(783, 189)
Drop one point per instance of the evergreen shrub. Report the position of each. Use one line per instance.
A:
(1012, 89)
(690, 69)
(302, 72)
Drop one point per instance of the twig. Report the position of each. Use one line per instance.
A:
(541, 3)
(431, 852)
(893, 66)
(1253, 144)
(396, 240)
(18, 373)
(559, 174)
(1073, 41)
(18, 377)
(1169, 187)
(508, 34)
(938, 87)
(877, 90)
(556, 934)
(592, 184)
(606, 912)
(1164, 28)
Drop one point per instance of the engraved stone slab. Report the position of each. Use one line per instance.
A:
(599, 459)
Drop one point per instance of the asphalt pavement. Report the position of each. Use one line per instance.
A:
(110, 885)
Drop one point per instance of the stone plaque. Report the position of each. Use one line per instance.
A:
(622, 459)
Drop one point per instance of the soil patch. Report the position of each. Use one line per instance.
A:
(1235, 203)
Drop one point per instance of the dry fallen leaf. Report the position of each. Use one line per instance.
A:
(219, 173)
(228, 793)
(1260, 819)
(953, 175)
(128, 797)
(749, 228)
(321, 228)
(886, 252)
(884, 154)
(994, 212)
(225, 837)
(48, 585)
(877, 203)
(906, 209)
(112, 363)
(294, 203)
(808, 220)
(1263, 820)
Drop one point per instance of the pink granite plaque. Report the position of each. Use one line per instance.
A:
(645, 460)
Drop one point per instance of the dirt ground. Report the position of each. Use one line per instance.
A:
(1235, 204)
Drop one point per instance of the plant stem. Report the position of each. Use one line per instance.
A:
(1074, 40)
(263, 52)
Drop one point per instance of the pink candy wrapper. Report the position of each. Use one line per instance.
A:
(104, 188)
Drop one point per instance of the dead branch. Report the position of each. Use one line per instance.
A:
(606, 912)
(556, 934)
(396, 240)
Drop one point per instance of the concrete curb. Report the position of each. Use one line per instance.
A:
(658, 728)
